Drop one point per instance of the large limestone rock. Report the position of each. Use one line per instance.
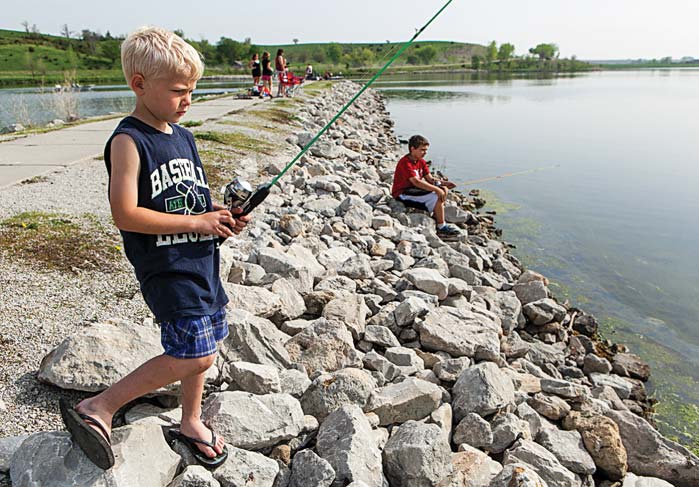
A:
(332, 390)
(544, 311)
(543, 462)
(255, 300)
(94, 359)
(459, 333)
(324, 346)
(141, 457)
(471, 468)
(602, 441)
(507, 428)
(632, 480)
(295, 270)
(482, 389)
(473, 430)
(254, 378)
(650, 454)
(8, 446)
(346, 441)
(417, 455)
(246, 469)
(411, 399)
(334, 257)
(254, 339)
(309, 470)
(253, 422)
(349, 309)
(518, 475)
(630, 365)
(195, 476)
(292, 304)
(429, 281)
(356, 213)
(568, 448)
(510, 310)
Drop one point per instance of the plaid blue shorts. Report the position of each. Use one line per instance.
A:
(193, 336)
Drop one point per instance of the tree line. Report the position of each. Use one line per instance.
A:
(544, 56)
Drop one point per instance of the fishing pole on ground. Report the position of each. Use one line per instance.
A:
(239, 193)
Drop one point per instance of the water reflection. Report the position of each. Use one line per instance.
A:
(435, 95)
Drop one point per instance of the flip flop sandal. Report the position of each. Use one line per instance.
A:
(96, 446)
(201, 457)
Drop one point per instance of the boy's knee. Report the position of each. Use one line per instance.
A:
(201, 364)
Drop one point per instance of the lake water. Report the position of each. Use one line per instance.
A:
(39, 106)
(601, 194)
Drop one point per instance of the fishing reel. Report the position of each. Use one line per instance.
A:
(239, 194)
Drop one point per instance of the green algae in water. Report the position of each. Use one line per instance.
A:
(674, 383)
(496, 204)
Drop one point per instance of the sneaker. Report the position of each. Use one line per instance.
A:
(448, 230)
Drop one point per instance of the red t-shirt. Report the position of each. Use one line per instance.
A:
(405, 170)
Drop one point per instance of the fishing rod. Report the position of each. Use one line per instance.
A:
(239, 193)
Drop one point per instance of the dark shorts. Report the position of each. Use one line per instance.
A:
(193, 336)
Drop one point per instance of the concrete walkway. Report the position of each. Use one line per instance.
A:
(34, 155)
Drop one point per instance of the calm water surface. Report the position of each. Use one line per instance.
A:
(39, 106)
(608, 202)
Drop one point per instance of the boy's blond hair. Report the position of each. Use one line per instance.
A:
(155, 53)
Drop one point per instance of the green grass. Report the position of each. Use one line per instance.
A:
(275, 114)
(237, 141)
(250, 125)
(35, 179)
(317, 88)
(192, 123)
(62, 242)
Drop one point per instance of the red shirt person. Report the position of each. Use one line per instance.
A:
(413, 183)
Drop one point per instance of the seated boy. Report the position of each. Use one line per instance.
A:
(413, 184)
(160, 200)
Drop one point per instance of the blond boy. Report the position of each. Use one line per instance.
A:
(160, 202)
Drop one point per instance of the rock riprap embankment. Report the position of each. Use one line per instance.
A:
(365, 351)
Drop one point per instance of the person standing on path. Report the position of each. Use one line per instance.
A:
(256, 69)
(160, 201)
(267, 72)
(280, 67)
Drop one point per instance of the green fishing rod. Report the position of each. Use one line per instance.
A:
(239, 193)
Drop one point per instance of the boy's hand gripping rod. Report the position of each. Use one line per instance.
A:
(239, 194)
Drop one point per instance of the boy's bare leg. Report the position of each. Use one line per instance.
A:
(439, 212)
(155, 373)
(192, 388)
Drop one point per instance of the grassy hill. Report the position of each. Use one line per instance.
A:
(34, 58)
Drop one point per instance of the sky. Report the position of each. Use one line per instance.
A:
(588, 29)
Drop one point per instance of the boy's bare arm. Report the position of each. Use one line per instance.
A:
(426, 185)
(128, 216)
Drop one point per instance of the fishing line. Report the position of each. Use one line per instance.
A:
(508, 175)
(239, 194)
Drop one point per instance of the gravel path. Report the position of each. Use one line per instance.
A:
(40, 307)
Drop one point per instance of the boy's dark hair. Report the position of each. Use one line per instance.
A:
(417, 141)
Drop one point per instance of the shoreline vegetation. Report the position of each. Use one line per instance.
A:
(33, 59)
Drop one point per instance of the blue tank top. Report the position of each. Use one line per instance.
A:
(178, 273)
